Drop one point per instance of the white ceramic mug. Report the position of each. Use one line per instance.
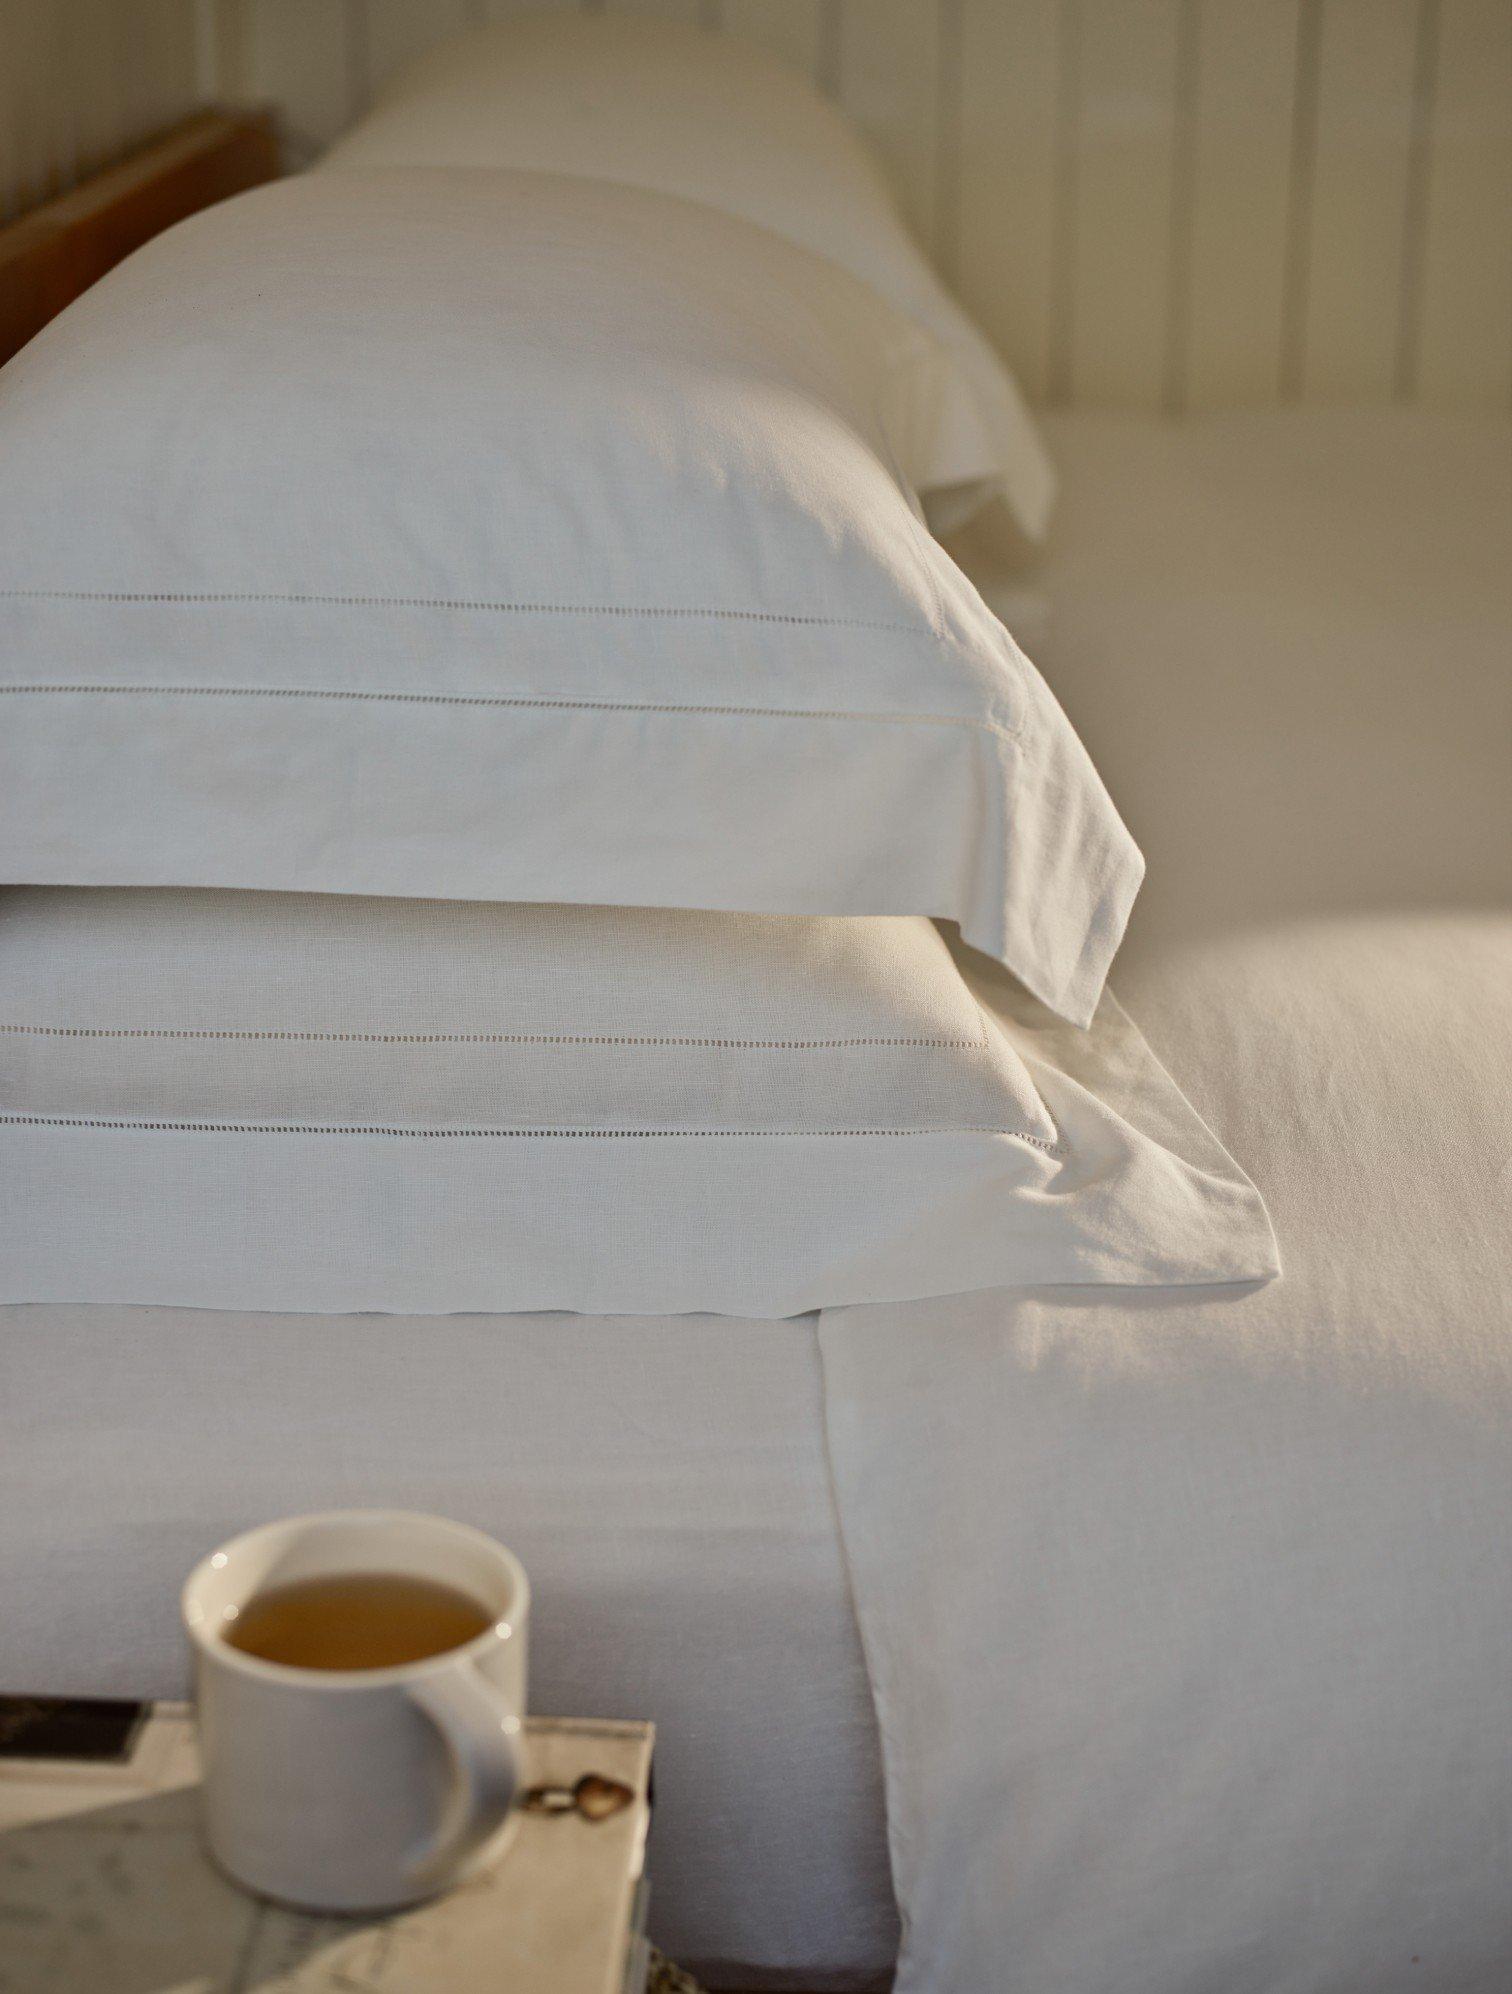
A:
(358, 1789)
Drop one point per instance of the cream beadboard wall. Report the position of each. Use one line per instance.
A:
(83, 81)
(1174, 204)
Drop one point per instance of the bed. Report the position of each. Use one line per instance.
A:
(1247, 1620)
(1107, 1638)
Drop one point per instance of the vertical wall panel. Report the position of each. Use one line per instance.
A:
(1121, 260)
(11, 70)
(64, 112)
(789, 28)
(24, 71)
(1464, 352)
(950, 83)
(1246, 71)
(166, 54)
(1009, 90)
(399, 29)
(124, 26)
(82, 82)
(500, 10)
(299, 55)
(670, 10)
(889, 83)
(1146, 202)
(89, 89)
(1181, 222)
(221, 35)
(1359, 203)
(37, 130)
(85, 109)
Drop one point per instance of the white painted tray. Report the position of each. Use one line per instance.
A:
(104, 1889)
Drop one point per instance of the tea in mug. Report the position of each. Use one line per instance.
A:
(355, 1620)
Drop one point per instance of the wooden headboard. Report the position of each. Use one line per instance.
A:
(58, 250)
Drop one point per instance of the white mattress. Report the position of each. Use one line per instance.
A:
(1284, 639)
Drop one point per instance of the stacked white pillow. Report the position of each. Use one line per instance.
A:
(514, 536)
(711, 118)
(520, 578)
(308, 1102)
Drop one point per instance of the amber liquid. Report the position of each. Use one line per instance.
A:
(358, 1620)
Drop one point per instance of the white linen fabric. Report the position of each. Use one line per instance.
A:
(664, 1483)
(711, 118)
(1233, 1669)
(1193, 1647)
(505, 536)
(292, 1101)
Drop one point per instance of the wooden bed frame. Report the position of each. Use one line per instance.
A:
(58, 250)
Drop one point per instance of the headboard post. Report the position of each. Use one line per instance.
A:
(49, 256)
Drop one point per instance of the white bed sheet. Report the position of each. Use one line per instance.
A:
(1193, 1647)
(1236, 1638)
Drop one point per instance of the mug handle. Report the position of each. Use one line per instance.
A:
(481, 1734)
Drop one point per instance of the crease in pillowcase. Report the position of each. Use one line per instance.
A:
(486, 1038)
(506, 1135)
(212, 596)
(507, 700)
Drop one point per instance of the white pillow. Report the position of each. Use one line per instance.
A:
(711, 118)
(304, 1102)
(516, 537)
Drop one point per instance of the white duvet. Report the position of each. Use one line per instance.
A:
(1189, 1618)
